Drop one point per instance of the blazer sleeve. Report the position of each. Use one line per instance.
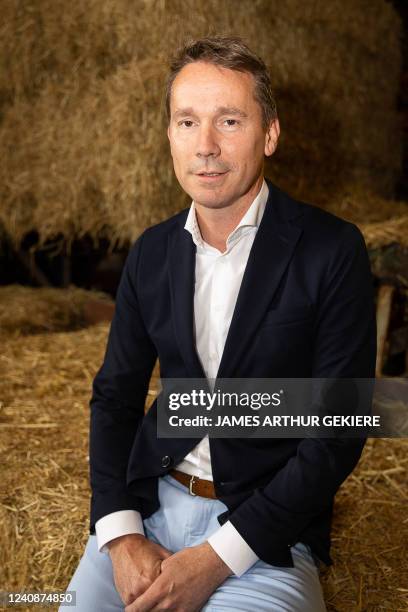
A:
(118, 397)
(274, 516)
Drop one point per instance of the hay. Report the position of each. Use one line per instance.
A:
(82, 137)
(24, 310)
(382, 221)
(382, 234)
(45, 386)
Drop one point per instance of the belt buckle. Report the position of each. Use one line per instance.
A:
(191, 486)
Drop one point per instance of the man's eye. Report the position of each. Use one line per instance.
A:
(186, 123)
(231, 122)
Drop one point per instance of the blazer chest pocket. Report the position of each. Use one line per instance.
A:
(290, 316)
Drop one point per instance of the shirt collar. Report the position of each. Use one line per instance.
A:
(252, 218)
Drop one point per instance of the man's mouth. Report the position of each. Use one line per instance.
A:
(211, 174)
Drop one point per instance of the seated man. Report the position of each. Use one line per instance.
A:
(245, 283)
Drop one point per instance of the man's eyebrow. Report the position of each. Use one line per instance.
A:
(230, 110)
(220, 110)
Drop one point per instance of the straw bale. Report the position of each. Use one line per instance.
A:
(24, 310)
(82, 135)
(45, 385)
(381, 234)
(382, 221)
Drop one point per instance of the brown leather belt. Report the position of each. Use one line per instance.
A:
(195, 485)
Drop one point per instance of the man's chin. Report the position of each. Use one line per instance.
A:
(214, 202)
(210, 197)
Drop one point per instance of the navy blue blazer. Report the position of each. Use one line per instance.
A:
(305, 309)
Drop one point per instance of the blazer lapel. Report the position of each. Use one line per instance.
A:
(272, 249)
(181, 250)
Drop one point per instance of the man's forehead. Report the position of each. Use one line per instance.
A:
(201, 77)
(201, 87)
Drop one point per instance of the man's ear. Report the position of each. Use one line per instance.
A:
(272, 137)
(168, 131)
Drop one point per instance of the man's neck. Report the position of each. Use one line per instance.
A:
(216, 224)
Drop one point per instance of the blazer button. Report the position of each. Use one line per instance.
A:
(166, 460)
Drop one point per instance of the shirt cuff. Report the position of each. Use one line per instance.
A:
(229, 544)
(116, 524)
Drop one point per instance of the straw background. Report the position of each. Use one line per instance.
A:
(46, 372)
(82, 127)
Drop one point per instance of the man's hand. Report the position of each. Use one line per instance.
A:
(136, 564)
(187, 580)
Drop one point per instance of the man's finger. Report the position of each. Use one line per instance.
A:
(147, 601)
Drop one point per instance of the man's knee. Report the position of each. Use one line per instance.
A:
(92, 583)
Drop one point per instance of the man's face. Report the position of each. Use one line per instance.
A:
(216, 135)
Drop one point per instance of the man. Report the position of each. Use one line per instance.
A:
(246, 283)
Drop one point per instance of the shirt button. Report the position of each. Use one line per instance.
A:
(166, 460)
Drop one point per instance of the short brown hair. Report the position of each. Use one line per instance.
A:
(232, 53)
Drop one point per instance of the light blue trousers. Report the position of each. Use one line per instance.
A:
(186, 520)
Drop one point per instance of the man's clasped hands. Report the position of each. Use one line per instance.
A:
(150, 578)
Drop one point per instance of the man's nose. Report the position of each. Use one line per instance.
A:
(207, 142)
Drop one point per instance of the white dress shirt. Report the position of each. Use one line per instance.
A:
(218, 278)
